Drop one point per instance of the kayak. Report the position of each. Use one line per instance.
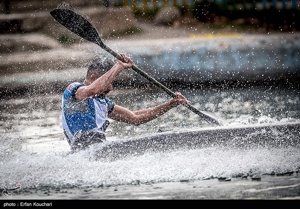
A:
(275, 135)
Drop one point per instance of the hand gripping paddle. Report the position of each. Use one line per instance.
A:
(83, 28)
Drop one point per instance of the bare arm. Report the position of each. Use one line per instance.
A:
(143, 116)
(99, 85)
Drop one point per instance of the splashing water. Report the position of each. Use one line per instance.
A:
(34, 152)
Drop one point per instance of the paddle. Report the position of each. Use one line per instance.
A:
(83, 28)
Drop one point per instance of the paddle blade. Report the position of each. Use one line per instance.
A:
(77, 24)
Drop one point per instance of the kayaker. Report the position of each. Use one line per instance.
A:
(86, 108)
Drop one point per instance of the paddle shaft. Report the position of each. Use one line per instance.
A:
(154, 81)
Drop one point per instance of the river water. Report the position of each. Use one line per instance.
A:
(36, 162)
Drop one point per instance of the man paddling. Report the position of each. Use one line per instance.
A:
(86, 108)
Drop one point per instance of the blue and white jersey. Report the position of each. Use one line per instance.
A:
(79, 116)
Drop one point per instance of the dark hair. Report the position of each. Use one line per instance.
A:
(100, 65)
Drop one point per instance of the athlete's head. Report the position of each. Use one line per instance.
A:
(99, 66)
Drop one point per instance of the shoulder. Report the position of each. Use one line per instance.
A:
(74, 85)
(71, 89)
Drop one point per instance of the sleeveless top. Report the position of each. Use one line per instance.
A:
(82, 116)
